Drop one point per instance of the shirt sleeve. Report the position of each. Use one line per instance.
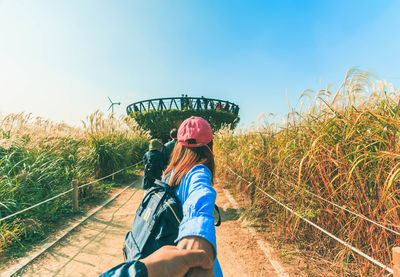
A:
(198, 208)
(129, 269)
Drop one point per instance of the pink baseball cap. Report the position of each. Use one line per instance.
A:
(195, 132)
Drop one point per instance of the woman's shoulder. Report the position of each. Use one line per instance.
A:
(198, 174)
(199, 169)
(198, 179)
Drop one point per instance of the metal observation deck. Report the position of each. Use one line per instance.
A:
(183, 103)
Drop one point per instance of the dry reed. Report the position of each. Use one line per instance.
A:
(344, 147)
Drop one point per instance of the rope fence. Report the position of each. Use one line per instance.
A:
(112, 174)
(36, 205)
(73, 189)
(385, 267)
(338, 206)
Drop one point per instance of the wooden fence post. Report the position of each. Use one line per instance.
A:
(396, 261)
(75, 195)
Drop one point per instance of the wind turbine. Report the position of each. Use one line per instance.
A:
(112, 104)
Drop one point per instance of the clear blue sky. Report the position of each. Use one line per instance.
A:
(61, 59)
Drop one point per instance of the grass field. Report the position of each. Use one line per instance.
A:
(39, 159)
(342, 146)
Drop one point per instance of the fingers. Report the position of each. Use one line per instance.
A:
(197, 258)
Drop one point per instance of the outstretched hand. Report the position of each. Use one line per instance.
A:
(170, 261)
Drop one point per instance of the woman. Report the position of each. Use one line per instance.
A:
(191, 171)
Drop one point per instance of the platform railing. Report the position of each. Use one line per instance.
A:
(183, 103)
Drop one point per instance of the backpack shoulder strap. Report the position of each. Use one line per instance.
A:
(219, 216)
(166, 178)
(171, 192)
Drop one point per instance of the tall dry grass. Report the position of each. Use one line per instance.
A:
(39, 159)
(114, 143)
(344, 147)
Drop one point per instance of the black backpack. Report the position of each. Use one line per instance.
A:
(156, 222)
(149, 171)
(154, 163)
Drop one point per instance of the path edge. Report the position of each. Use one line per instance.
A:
(26, 261)
(267, 250)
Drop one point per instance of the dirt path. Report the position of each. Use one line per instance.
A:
(96, 245)
(238, 251)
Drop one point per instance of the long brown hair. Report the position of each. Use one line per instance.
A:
(184, 158)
